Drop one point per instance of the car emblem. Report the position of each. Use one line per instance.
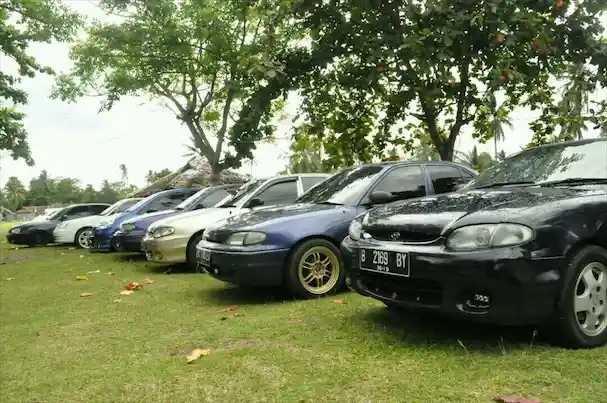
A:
(394, 236)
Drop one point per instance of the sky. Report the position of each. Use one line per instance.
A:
(75, 140)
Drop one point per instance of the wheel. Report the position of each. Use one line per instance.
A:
(41, 239)
(82, 238)
(315, 269)
(582, 308)
(190, 253)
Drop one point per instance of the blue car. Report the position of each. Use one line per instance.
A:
(297, 246)
(128, 237)
(101, 235)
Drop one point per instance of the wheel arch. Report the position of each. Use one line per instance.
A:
(80, 229)
(195, 234)
(308, 238)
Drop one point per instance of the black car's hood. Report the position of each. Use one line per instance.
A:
(36, 224)
(432, 215)
(278, 215)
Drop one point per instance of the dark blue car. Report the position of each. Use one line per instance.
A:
(128, 237)
(298, 245)
(101, 235)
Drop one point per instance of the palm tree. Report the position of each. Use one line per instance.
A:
(15, 193)
(575, 102)
(125, 174)
(499, 120)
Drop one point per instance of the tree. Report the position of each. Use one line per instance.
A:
(153, 176)
(499, 119)
(23, 22)
(204, 60)
(42, 190)
(474, 160)
(305, 151)
(124, 173)
(402, 65)
(89, 195)
(15, 193)
(107, 194)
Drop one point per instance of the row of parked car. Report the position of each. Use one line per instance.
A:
(525, 242)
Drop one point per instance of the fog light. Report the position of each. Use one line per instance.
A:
(479, 300)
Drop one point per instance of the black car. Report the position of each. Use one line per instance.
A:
(41, 232)
(297, 245)
(523, 243)
(128, 237)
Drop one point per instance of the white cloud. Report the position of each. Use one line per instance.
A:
(74, 140)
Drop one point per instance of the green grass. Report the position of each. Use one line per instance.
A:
(56, 346)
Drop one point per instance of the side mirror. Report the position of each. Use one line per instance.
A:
(255, 203)
(152, 210)
(63, 218)
(380, 197)
(199, 206)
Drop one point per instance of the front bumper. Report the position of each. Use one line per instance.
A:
(168, 250)
(236, 265)
(128, 241)
(20, 239)
(101, 240)
(63, 236)
(503, 286)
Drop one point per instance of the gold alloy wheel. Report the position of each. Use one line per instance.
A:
(318, 270)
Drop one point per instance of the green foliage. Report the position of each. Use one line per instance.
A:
(400, 68)
(204, 60)
(23, 22)
(475, 160)
(305, 151)
(153, 176)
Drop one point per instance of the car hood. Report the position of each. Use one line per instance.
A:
(280, 215)
(143, 221)
(37, 224)
(192, 221)
(433, 215)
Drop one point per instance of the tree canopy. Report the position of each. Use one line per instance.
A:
(23, 22)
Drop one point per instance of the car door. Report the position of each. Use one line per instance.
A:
(75, 212)
(445, 178)
(276, 193)
(403, 182)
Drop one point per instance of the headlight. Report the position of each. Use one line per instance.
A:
(61, 225)
(105, 224)
(127, 227)
(246, 238)
(15, 230)
(163, 231)
(489, 236)
(355, 230)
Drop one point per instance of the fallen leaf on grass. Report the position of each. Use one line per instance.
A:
(514, 399)
(72, 248)
(10, 278)
(148, 281)
(168, 271)
(126, 292)
(93, 272)
(86, 294)
(111, 273)
(197, 353)
(117, 300)
(339, 301)
(15, 248)
(237, 314)
(81, 256)
(82, 278)
(228, 309)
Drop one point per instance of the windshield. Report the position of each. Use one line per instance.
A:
(345, 187)
(239, 196)
(192, 200)
(140, 203)
(57, 213)
(553, 163)
(119, 207)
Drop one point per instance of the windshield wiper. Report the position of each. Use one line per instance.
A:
(329, 203)
(575, 181)
(497, 184)
(226, 205)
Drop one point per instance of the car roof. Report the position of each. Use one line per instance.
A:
(386, 164)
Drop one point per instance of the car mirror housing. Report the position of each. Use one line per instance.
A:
(380, 197)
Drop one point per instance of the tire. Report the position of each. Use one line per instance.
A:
(41, 238)
(81, 233)
(585, 281)
(190, 253)
(314, 252)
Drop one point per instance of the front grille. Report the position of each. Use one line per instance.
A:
(421, 291)
(403, 236)
(218, 235)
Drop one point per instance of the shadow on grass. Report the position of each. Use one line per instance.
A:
(239, 295)
(419, 328)
(167, 269)
(129, 257)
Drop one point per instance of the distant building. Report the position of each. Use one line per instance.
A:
(28, 213)
(7, 215)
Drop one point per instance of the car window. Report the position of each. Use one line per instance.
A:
(403, 183)
(96, 209)
(309, 181)
(166, 202)
(467, 175)
(77, 212)
(279, 193)
(444, 178)
(241, 194)
(215, 197)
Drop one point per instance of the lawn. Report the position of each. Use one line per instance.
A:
(57, 346)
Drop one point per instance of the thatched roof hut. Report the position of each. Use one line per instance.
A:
(197, 172)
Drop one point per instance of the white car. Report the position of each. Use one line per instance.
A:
(47, 213)
(173, 239)
(78, 231)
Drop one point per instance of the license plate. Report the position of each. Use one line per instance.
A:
(385, 261)
(204, 257)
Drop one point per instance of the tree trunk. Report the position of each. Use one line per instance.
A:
(215, 174)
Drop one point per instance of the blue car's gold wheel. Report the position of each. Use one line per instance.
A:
(315, 269)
